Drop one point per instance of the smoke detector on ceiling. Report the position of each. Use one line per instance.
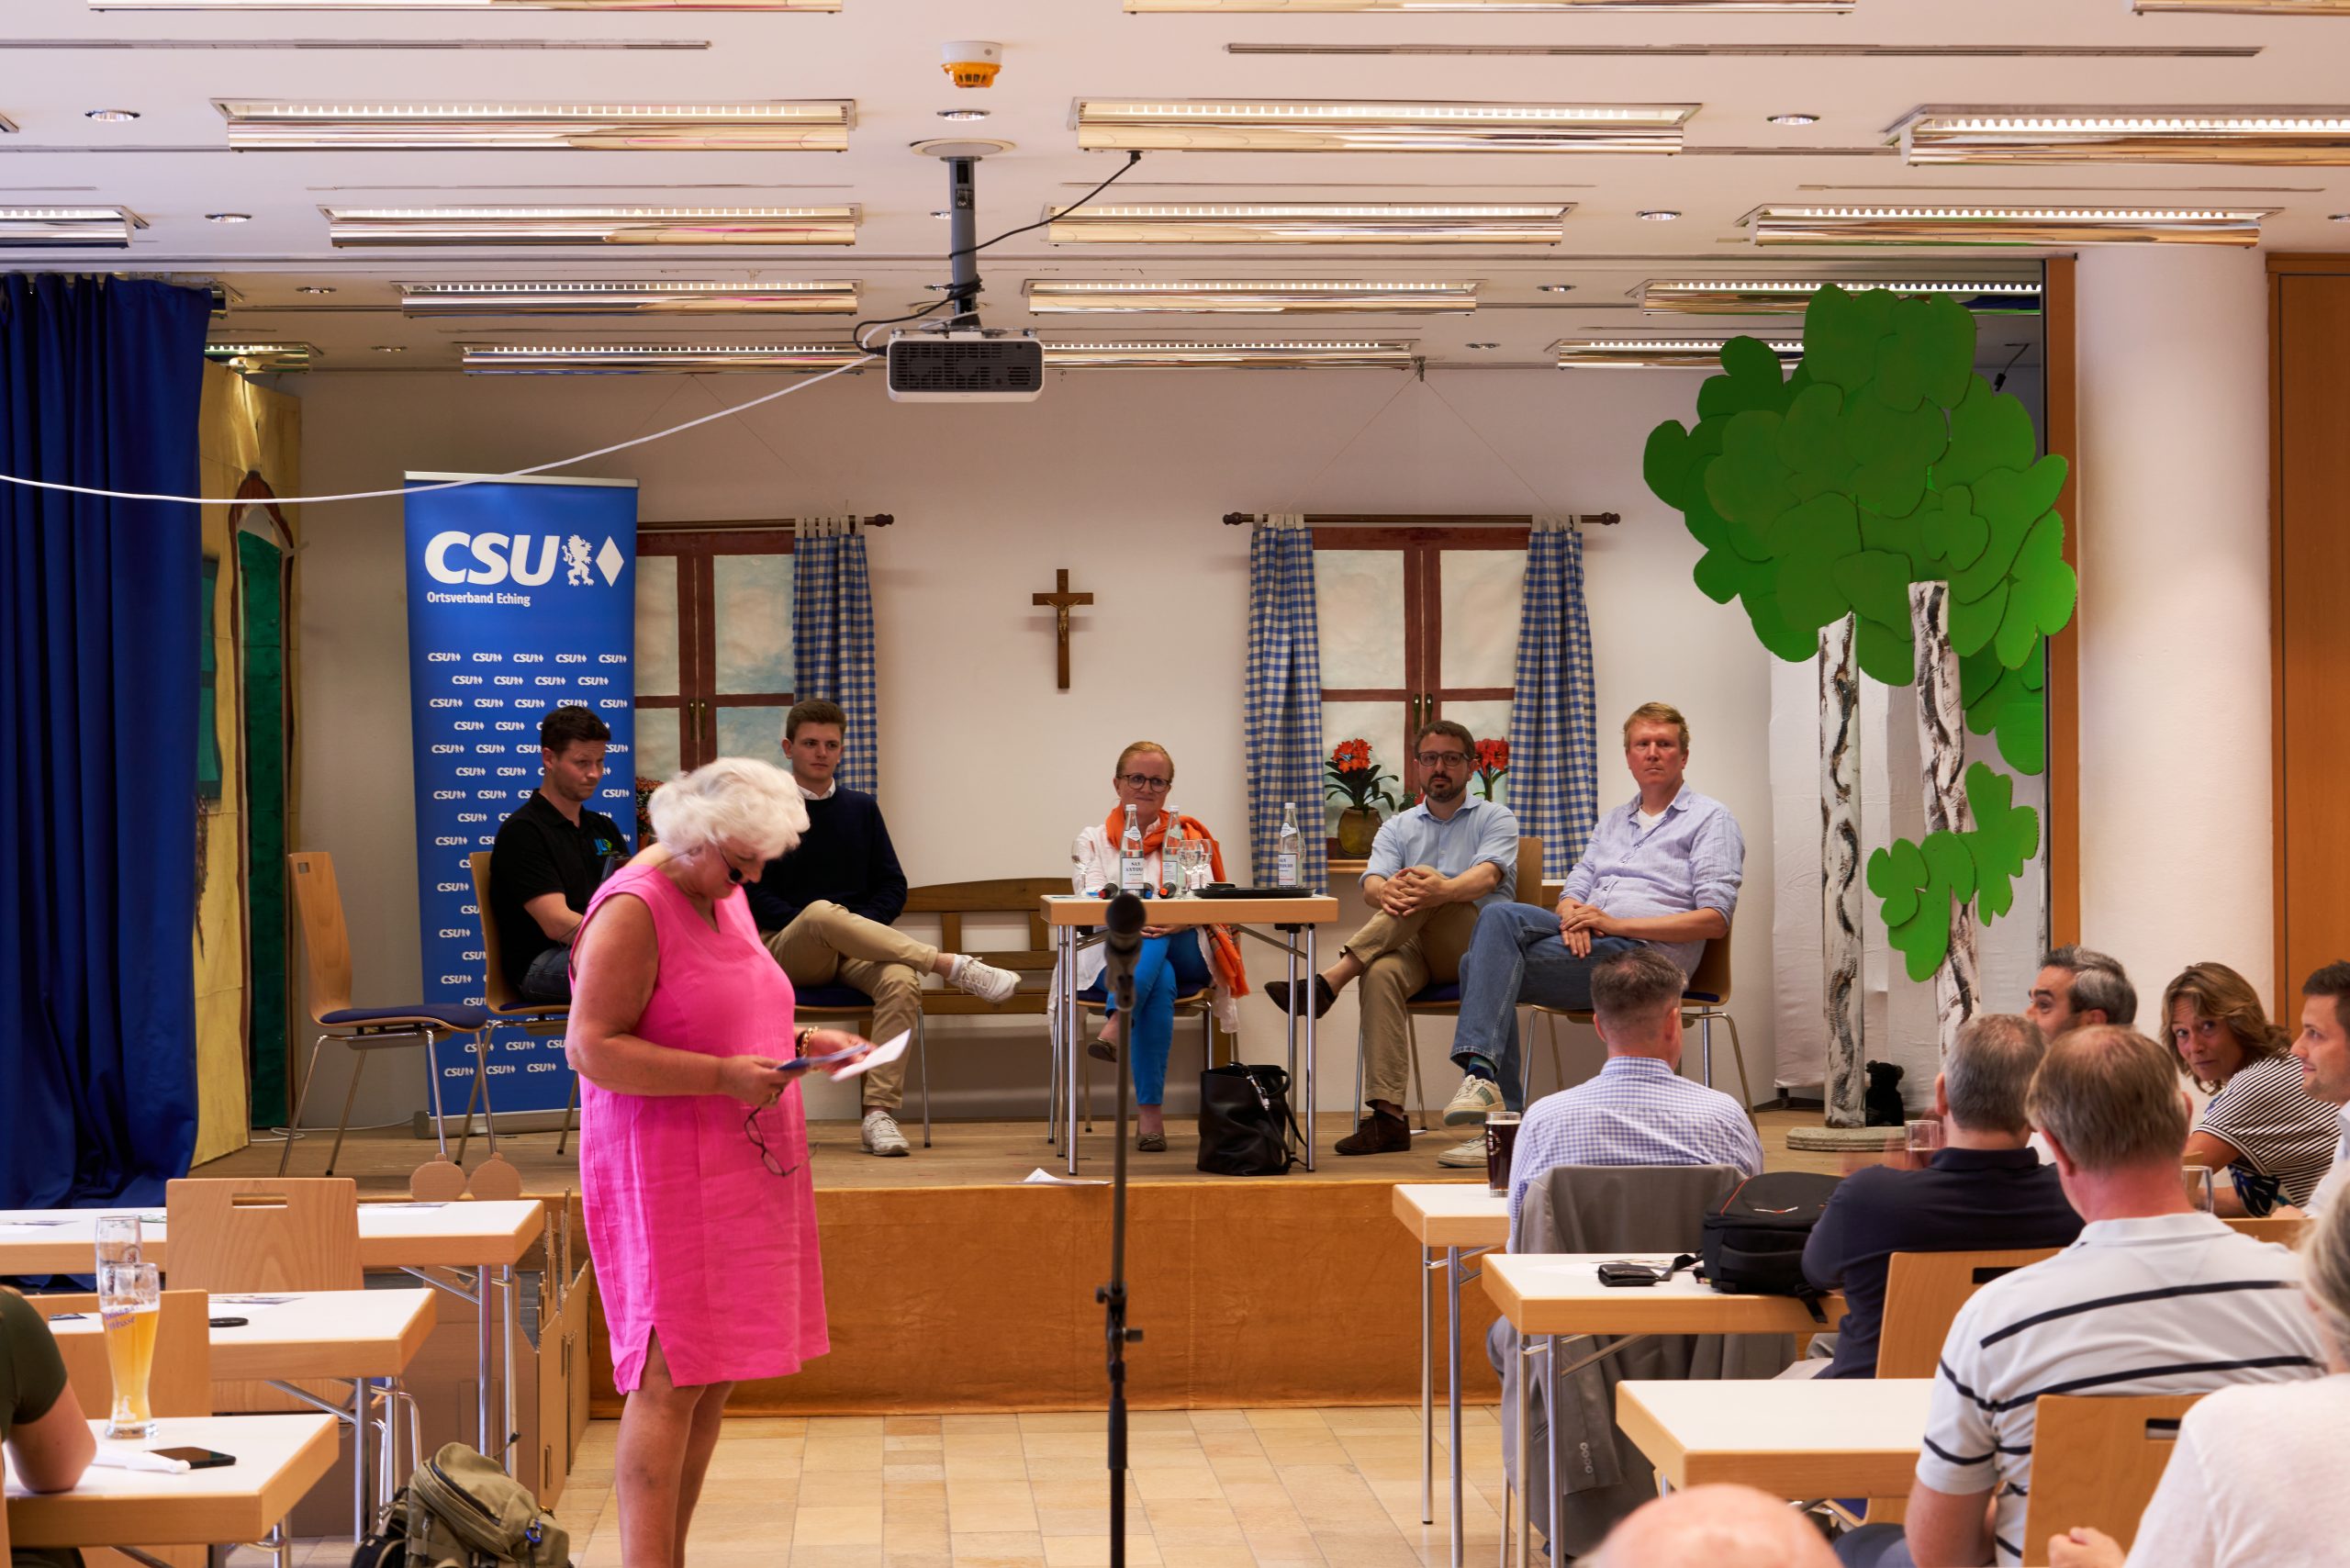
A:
(972, 62)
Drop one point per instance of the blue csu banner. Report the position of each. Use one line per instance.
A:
(521, 598)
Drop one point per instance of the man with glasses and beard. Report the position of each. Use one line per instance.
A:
(1431, 870)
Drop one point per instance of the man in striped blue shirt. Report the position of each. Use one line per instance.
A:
(1639, 1110)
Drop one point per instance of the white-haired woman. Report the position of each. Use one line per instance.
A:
(691, 1155)
(2254, 1480)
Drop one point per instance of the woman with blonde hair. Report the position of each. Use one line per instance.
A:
(700, 1215)
(2274, 1140)
(2255, 1477)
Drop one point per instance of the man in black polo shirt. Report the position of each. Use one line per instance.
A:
(551, 855)
(1983, 1191)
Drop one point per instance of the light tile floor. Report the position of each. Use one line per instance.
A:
(1207, 1489)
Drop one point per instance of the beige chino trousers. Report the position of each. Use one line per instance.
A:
(1400, 954)
(828, 945)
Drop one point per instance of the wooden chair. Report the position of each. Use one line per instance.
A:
(327, 944)
(1704, 1001)
(180, 1383)
(507, 1006)
(2284, 1229)
(993, 899)
(2097, 1461)
(1441, 999)
(1923, 1292)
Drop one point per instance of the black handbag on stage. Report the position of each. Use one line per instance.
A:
(1245, 1127)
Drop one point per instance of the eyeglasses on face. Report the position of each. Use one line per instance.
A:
(1441, 758)
(767, 1156)
(1144, 781)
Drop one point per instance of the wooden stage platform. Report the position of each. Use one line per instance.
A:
(952, 1286)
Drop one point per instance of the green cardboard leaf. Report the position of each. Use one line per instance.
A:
(1988, 429)
(2004, 491)
(1722, 575)
(1751, 381)
(1956, 538)
(2016, 635)
(1990, 568)
(2005, 837)
(1895, 874)
(1807, 441)
(1822, 530)
(1894, 454)
(1885, 653)
(1773, 630)
(1747, 483)
(2022, 733)
(2044, 579)
(1839, 336)
(1951, 862)
(1668, 465)
(1936, 335)
(1973, 622)
(1877, 584)
(1902, 536)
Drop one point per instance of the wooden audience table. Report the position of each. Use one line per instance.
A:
(1822, 1436)
(1069, 916)
(482, 1238)
(278, 1459)
(1462, 1220)
(1548, 1295)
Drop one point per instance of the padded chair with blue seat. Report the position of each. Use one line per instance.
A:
(1441, 999)
(1092, 1001)
(836, 1004)
(1704, 1000)
(327, 945)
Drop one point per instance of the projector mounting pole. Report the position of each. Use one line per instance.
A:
(962, 241)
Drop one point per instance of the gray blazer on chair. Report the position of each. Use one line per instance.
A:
(1631, 1209)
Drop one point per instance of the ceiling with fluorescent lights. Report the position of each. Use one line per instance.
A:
(1863, 73)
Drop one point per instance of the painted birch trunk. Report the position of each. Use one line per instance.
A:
(1840, 874)
(1942, 745)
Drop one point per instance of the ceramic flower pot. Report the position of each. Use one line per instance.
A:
(1358, 826)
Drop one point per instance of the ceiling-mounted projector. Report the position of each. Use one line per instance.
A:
(971, 365)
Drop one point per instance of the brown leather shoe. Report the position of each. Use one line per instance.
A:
(1325, 997)
(1377, 1132)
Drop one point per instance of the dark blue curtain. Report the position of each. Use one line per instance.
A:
(100, 384)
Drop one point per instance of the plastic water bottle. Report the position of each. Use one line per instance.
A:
(1170, 853)
(1288, 853)
(1132, 875)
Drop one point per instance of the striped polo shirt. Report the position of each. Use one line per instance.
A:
(2286, 1136)
(2171, 1303)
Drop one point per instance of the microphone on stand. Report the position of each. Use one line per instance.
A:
(1124, 922)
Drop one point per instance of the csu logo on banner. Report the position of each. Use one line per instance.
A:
(483, 559)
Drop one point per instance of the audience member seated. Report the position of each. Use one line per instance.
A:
(42, 1424)
(1174, 961)
(2255, 1478)
(2153, 1298)
(1432, 869)
(824, 911)
(1716, 1526)
(2323, 1047)
(551, 855)
(2076, 987)
(1983, 1190)
(1662, 871)
(2273, 1139)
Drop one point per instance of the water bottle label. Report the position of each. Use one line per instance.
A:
(1285, 872)
(1132, 875)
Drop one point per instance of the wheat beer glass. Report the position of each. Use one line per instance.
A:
(118, 1240)
(130, 1306)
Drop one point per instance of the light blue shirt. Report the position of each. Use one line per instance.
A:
(1478, 832)
(1636, 1111)
(1692, 857)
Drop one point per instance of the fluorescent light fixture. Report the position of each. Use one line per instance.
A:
(820, 126)
(1499, 7)
(1048, 297)
(477, 6)
(592, 226)
(90, 227)
(258, 359)
(2285, 137)
(1122, 125)
(1788, 297)
(2247, 8)
(1239, 355)
(1656, 354)
(628, 300)
(1803, 225)
(1312, 223)
(641, 359)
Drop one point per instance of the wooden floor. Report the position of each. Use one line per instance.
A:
(964, 1154)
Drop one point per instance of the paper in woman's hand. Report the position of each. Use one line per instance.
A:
(887, 1050)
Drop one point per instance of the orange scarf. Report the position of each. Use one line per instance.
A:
(1224, 947)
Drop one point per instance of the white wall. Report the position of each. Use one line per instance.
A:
(1121, 477)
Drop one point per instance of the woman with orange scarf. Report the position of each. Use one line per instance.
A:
(1174, 961)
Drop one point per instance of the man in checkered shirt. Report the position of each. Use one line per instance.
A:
(1639, 1110)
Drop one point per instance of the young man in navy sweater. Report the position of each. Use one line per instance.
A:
(826, 910)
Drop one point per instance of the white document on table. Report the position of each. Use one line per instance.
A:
(1040, 1177)
(889, 1050)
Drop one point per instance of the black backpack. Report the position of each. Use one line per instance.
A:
(1752, 1245)
(1245, 1124)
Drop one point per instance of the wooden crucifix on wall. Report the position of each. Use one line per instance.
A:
(1061, 600)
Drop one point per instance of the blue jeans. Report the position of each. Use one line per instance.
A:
(1166, 968)
(1874, 1546)
(1517, 957)
(549, 977)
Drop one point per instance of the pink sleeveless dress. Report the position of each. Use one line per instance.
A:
(694, 1238)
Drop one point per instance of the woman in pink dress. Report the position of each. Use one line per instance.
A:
(693, 1150)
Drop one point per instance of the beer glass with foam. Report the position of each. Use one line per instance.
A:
(130, 1306)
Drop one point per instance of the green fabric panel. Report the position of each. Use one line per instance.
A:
(207, 722)
(262, 578)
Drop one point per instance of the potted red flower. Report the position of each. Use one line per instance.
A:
(1493, 761)
(1352, 775)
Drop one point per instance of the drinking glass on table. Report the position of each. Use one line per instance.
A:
(2199, 1187)
(118, 1239)
(129, 1306)
(1923, 1138)
(1501, 1142)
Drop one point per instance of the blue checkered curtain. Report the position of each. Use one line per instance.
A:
(1284, 695)
(831, 636)
(1553, 750)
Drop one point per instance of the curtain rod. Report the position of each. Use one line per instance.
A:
(745, 524)
(1596, 519)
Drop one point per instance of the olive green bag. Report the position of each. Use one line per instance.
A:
(464, 1512)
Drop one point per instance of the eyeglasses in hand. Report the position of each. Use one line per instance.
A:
(767, 1156)
(1144, 781)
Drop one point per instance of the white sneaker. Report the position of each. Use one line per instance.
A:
(882, 1137)
(1472, 1101)
(1462, 1155)
(983, 980)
